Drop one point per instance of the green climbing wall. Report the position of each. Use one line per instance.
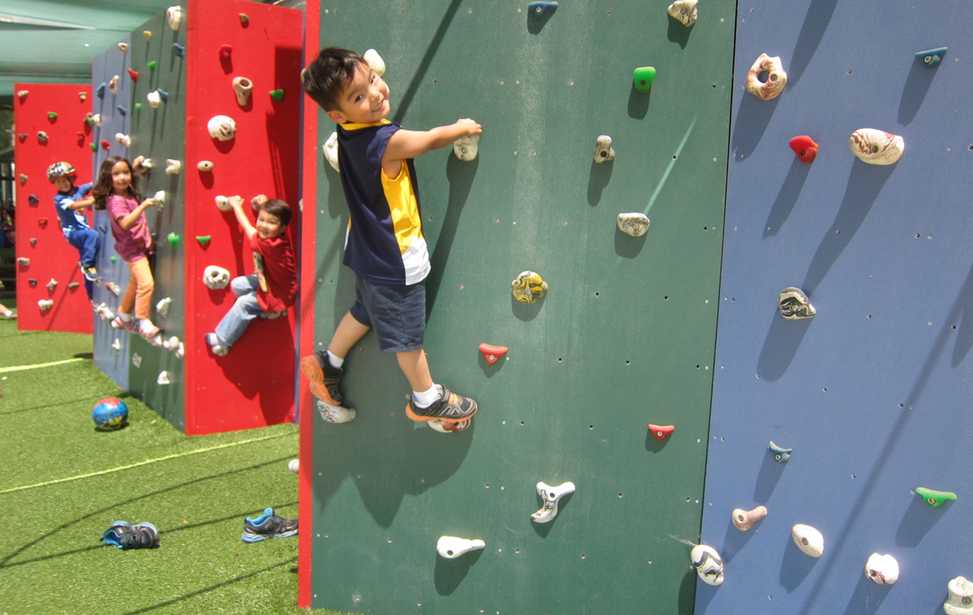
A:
(625, 337)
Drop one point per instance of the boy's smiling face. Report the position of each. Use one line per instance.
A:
(63, 183)
(364, 99)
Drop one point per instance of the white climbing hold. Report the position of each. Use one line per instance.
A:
(136, 360)
(960, 600)
(221, 127)
(172, 343)
(216, 277)
(873, 146)
(113, 84)
(116, 344)
(123, 46)
(633, 223)
(163, 378)
(243, 88)
(808, 539)
(882, 569)
(205, 166)
(550, 497)
(334, 414)
(603, 149)
(174, 17)
(154, 98)
(23, 261)
(773, 72)
(180, 350)
(708, 564)
(173, 166)
(449, 426)
(793, 304)
(160, 198)
(375, 62)
(223, 202)
(113, 288)
(45, 304)
(123, 139)
(51, 285)
(451, 547)
(330, 150)
(684, 11)
(465, 148)
(744, 520)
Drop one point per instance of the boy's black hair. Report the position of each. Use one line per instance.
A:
(280, 209)
(324, 78)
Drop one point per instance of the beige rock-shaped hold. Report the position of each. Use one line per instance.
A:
(808, 539)
(375, 62)
(160, 198)
(123, 46)
(772, 70)
(205, 166)
(873, 146)
(793, 304)
(744, 520)
(243, 88)
(45, 304)
(136, 360)
(708, 564)
(123, 139)
(451, 547)
(51, 285)
(216, 277)
(223, 202)
(180, 351)
(174, 17)
(154, 98)
(685, 12)
(162, 307)
(96, 119)
(331, 151)
(633, 223)
(960, 600)
(171, 343)
(882, 569)
(221, 127)
(528, 287)
(22, 94)
(163, 378)
(113, 84)
(173, 167)
(116, 345)
(603, 149)
(465, 148)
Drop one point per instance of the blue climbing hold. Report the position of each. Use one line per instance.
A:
(163, 95)
(178, 49)
(931, 57)
(121, 110)
(542, 8)
(100, 90)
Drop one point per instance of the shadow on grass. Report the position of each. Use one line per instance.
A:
(53, 405)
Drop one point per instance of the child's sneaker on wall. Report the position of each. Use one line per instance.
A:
(90, 272)
(215, 346)
(267, 525)
(323, 379)
(449, 408)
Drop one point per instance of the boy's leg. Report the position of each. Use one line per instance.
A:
(414, 365)
(86, 241)
(323, 375)
(235, 322)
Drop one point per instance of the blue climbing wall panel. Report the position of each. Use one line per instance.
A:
(874, 393)
(114, 362)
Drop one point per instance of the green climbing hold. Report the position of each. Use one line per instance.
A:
(277, 94)
(52, 115)
(203, 240)
(173, 239)
(94, 146)
(113, 258)
(642, 78)
(934, 498)
(152, 64)
(138, 106)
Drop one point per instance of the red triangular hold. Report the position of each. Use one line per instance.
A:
(804, 147)
(492, 354)
(661, 432)
(134, 74)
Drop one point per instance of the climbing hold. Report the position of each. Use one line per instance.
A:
(708, 564)
(334, 414)
(642, 78)
(204, 165)
(492, 354)
(809, 540)
(113, 288)
(935, 498)
(174, 17)
(781, 454)
(960, 601)
(874, 146)
(774, 77)
(163, 378)
(137, 106)
(684, 11)
(661, 432)
(804, 148)
(172, 343)
(45, 304)
(451, 547)
(100, 90)
(223, 203)
(449, 426)
(23, 261)
(244, 20)
(32, 199)
(633, 223)
(42, 222)
(155, 99)
(105, 144)
(152, 64)
(32, 241)
(173, 167)
(174, 240)
(542, 8)
(178, 49)
(528, 287)
(550, 497)
(221, 127)
(83, 95)
(465, 148)
(121, 110)
(113, 258)
(113, 84)
(180, 350)
(203, 240)
(330, 150)
(215, 277)
(22, 136)
(133, 74)
(159, 196)
(32, 282)
(93, 119)
(73, 285)
(882, 569)
(42, 137)
(375, 62)
(162, 306)
(146, 34)
(744, 520)
(226, 53)
(52, 116)
(793, 304)
(123, 139)
(23, 179)
(136, 360)
(141, 164)
(243, 88)
(123, 46)
(104, 312)
(51, 285)
(931, 57)
(116, 344)
(277, 95)
(603, 149)
(23, 94)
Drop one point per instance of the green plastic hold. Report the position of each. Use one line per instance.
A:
(94, 147)
(277, 94)
(173, 239)
(138, 106)
(113, 258)
(642, 78)
(52, 115)
(203, 240)
(152, 64)
(934, 498)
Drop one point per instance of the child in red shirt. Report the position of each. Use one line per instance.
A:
(270, 290)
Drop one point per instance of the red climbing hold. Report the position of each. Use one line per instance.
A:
(492, 354)
(661, 432)
(42, 222)
(134, 74)
(22, 136)
(105, 144)
(805, 148)
(225, 51)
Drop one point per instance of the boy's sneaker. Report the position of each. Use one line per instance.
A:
(267, 525)
(213, 341)
(323, 379)
(449, 408)
(90, 272)
(124, 535)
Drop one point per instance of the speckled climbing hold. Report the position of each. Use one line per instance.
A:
(960, 600)
(492, 354)
(51, 285)
(100, 90)
(152, 65)
(222, 203)
(123, 139)
(122, 46)
(935, 498)
(221, 127)
(92, 119)
(277, 95)
(708, 564)
(23, 94)
(258, 201)
(642, 78)
(174, 17)
(42, 137)
(203, 240)
(528, 287)
(32, 199)
(179, 49)
(793, 304)
(685, 12)
(773, 77)
(781, 454)
(162, 306)
(121, 110)
(450, 426)
(45, 304)
(216, 277)
(603, 149)
(451, 547)
(113, 84)
(660, 432)
(374, 61)
(243, 88)
(330, 149)
(52, 116)
(808, 539)
(465, 148)
(163, 378)
(133, 74)
(244, 20)
(542, 7)
(204, 166)
(334, 414)
(104, 312)
(550, 496)
(83, 95)
(173, 166)
(174, 240)
(744, 520)
(877, 147)
(882, 569)
(633, 223)
(804, 148)
(23, 261)
(931, 57)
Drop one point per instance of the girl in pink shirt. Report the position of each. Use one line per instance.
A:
(126, 209)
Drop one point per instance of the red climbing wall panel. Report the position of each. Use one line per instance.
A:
(39, 236)
(254, 385)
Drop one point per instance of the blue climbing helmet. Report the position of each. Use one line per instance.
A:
(60, 169)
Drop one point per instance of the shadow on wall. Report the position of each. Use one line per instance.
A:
(914, 91)
(752, 118)
(816, 21)
(460, 176)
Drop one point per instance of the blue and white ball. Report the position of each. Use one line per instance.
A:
(109, 414)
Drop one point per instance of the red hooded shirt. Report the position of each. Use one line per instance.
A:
(276, 271)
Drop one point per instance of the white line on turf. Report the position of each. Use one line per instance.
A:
(23, 368)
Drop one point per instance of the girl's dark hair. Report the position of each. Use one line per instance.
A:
(280, 209)
(103, 185)
(324, 78)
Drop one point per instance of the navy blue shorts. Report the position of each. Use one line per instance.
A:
(397, 314)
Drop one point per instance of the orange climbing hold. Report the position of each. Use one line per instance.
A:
(492, 354)
(661, 432)
(804, 147)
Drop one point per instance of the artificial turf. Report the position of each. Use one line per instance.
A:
(51, 560)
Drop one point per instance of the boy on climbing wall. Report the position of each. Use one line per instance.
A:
(69, 201)
(384, 243)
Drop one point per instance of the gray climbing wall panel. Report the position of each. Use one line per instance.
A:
(874, 393)
(625, 336)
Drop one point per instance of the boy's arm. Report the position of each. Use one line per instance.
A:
(87, 201)
(237, 203)
(408, 144)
